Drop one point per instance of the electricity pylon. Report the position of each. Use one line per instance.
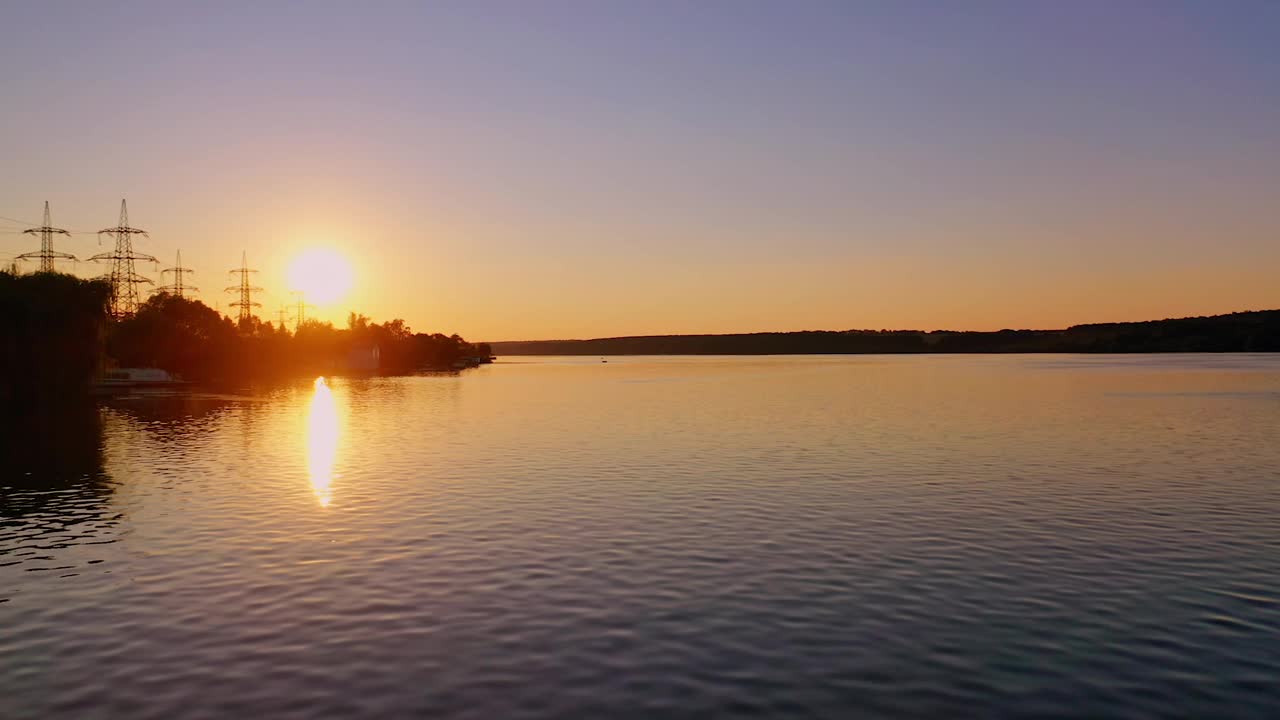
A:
(302, 310)
(177, 287)
(47, 254)
(124, 281)
(245, 303)
(283, 315)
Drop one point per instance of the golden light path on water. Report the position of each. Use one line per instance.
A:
(322, 441)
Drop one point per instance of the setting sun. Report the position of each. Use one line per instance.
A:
(323, 275)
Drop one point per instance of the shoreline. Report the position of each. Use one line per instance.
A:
(1251, 331)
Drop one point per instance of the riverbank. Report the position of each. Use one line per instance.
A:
(57, 340)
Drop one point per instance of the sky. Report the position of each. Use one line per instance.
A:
(538, 170)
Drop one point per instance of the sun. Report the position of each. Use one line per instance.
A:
(324, 276)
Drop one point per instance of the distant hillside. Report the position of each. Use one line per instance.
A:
(1237, 332)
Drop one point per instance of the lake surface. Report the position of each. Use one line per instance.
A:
(945, 536)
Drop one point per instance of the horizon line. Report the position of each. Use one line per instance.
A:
(884, 330)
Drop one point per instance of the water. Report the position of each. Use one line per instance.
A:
(947, 536)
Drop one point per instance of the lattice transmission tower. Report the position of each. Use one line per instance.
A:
(301, 316)
(245, 303)
(47, 254)
(179, 286)
(283, 315)
(124, 281)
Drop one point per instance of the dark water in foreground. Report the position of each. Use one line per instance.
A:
(658, 537)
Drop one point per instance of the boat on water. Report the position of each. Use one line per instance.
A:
(131, 378)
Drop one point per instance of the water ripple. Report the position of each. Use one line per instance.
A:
(825, 537)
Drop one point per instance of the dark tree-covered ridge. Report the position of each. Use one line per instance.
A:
(1238, 332)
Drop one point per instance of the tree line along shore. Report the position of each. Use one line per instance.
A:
(56, 338)
(1237, 332)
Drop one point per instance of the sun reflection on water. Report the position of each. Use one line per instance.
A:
(322, 441)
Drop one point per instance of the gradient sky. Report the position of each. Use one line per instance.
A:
(542, 169)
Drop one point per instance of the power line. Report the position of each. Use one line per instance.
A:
(32, 222)
(124, 281)
(16, 220)
(47, 254)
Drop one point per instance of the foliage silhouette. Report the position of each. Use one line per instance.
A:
(1237, 332)
(52, 328)
(189, 338)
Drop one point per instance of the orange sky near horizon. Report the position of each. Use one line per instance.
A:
(550, 291)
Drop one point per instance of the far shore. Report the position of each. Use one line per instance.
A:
(1254, 331)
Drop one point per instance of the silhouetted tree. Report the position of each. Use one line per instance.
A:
(55, 329)
(178, 334)
(1237, 332)
(51, 335)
